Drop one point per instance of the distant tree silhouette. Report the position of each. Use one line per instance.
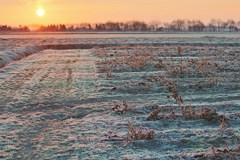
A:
(166, 27)
(62, 28)
(238, 25)
(139, 26)
(179, 25)
(231, 24)
(6, 28)
(213, 25)
(70, 28)
(111, 26)
(195, 26)
(83, 27)
(155, 26)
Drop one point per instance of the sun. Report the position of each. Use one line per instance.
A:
(40, 12)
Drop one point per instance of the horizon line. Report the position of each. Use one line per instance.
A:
(112, 21)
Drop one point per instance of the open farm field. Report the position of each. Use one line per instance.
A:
(126, 98)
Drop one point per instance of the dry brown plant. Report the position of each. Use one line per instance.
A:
(172, 89)
(122, 109)
(139, 134)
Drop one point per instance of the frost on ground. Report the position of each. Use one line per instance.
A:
(122, 102)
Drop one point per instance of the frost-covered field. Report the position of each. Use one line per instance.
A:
(120, 98)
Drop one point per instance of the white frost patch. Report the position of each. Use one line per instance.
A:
(9, 56)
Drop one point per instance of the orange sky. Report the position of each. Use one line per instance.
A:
(15, 12)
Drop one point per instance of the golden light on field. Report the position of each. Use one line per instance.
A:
(40, 12)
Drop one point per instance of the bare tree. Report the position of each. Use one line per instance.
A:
(179, 25)
(195, 26)
(212, 25)
(219, 24)
(166, 26)
(154, 25)
(238, 25)
(231, 25)
(112, 26)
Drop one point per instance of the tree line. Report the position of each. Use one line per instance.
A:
(215, 25)
(6, 28)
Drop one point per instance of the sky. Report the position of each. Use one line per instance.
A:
(16, 12)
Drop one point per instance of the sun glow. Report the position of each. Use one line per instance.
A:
(40, 12)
